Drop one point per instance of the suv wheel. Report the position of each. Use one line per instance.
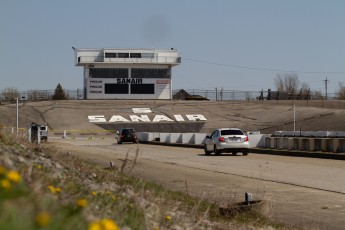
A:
(207, 153)
(217, 152)
(245, 153)
(234, 153)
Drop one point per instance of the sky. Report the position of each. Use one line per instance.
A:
(234, 44)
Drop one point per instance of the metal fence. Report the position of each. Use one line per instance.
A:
(222, 95)
(238, 95)
(214, 95)
(40, 95)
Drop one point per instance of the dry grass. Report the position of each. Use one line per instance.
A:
(59, 191)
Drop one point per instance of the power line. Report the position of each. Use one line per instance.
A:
(261, 69)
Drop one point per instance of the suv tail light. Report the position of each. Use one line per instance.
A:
(221, 139)
(246, 139)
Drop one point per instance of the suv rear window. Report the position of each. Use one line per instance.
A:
(127, 131)
(231, 132)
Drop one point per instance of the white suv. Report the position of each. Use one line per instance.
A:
(227, 140)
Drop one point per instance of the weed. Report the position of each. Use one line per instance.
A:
(60, 191)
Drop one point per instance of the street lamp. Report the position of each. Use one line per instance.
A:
(294, 119)
(17, 114)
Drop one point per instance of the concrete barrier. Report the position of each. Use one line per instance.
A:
(335, 145)
(329, 145)
(317, 144)
(255, 140)
(164, 137)
(342, 145)
(187, 138)
(268, 142)
(295, 144)
(311, 144)
(338, 134)
(306, 144)
(175, 138)
(199, 138)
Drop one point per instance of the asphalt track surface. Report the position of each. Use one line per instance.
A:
(304, 192)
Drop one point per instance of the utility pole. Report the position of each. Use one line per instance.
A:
(326, 82)
(216, 95)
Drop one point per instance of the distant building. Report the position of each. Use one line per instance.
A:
(127, 73)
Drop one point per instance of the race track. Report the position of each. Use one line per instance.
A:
(305, 192)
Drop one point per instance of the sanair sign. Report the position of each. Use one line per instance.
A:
(145, 118)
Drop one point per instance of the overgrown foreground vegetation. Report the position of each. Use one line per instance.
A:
(41, 188)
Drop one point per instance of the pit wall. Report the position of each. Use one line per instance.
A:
(323, 144)
(255, 140)
(309, 134)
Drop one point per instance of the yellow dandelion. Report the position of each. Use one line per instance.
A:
(81, 203)
(94, 193)
(2, 170)
(6, 184)
(168, 218)
(105, 224)
(113, 197)
(95, 226)
(39, 166)
(14, 176)
(43, 219)
(52, 189)
(107, 193)
(108, 224)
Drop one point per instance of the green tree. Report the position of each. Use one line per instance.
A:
(59, 93)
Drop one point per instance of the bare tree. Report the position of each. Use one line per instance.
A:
(9, 94)
(316, 95)
(291, 82)
(305, 88)
(279, 82)
(287, 82)
(341, 91)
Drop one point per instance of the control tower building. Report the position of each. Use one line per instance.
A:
(111, 73)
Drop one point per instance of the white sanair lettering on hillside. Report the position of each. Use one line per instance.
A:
(136, 118)
(145, 118)
(159, 118)
(141, 110)
(97, 118)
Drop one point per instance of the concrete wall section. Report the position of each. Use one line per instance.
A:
(187, 138)
(164, 137)
(306, 144)
(309, 133)
(255, 140)
(175, 138)
(199, 138)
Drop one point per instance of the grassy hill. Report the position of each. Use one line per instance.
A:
(261, 116)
